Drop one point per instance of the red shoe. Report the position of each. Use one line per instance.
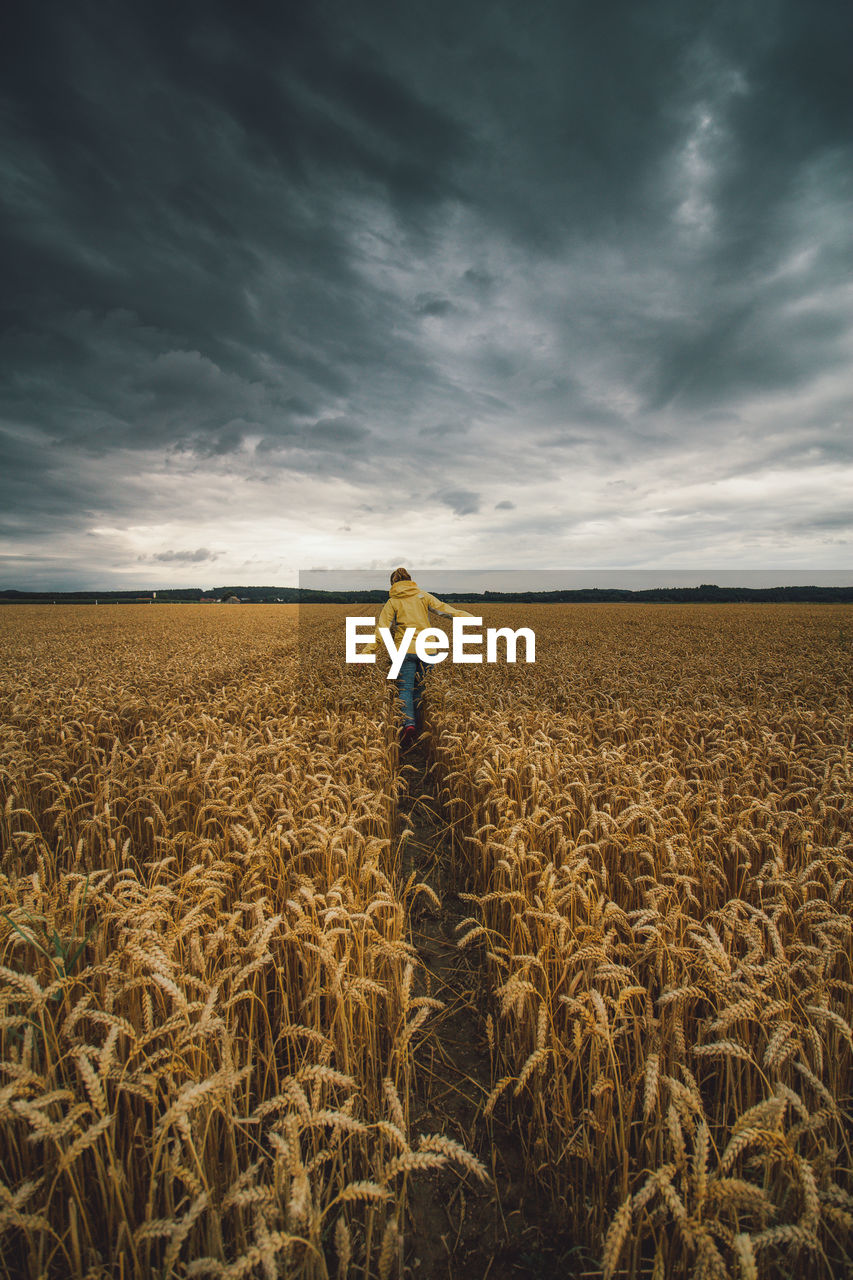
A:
(408, 737)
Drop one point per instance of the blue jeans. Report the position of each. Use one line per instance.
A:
(410, 687)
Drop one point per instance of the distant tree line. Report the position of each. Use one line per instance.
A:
(707, 593)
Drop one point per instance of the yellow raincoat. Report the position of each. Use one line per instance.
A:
(408, 606)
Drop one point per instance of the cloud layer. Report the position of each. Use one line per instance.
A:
(471, 285)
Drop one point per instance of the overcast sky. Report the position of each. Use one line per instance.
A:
(470, 284)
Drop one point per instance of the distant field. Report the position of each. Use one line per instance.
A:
(215, 1022)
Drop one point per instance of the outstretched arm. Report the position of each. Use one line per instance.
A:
(446, 610)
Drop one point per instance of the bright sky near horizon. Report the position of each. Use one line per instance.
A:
(467, 284)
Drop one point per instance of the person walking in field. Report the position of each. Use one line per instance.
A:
(408, 606)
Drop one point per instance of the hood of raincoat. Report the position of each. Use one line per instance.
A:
(405, 587)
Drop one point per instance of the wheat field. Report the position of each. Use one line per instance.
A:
(213, 1016)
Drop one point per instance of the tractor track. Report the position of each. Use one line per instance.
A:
(459, 1227)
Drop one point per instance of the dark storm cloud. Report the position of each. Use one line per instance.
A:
(758, 343)
(431, 305)
(42, 489)
(159, 159)
(834, 519)
(336, 433)
(441, 430)
(459, 247)
(200, 556)
(462, 502)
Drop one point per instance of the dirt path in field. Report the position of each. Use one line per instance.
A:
(460, 1229)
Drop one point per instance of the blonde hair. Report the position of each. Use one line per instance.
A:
(400, 575)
